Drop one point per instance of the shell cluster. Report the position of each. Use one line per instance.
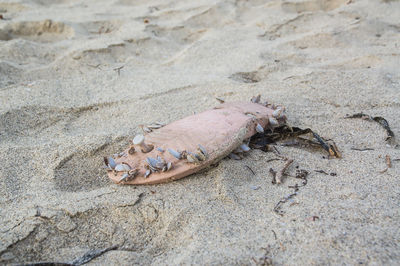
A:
(197, 156)
(128, 172)
(156, 165)
(151, 165)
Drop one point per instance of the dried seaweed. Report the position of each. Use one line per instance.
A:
(380, 120)
(284, 132)
(251, 170)
(92, 254)
(278, 206)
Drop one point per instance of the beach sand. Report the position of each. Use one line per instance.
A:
(77, 78)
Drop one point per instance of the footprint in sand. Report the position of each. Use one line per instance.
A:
(38, 31)
(310, 6)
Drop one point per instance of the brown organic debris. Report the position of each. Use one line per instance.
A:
(380, 120)
(279, 174)
(286, 132)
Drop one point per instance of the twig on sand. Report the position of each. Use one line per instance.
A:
(388, 161)
(362, 149)
(279, 174)
(251, 170)
(118, 69)
(388, 164)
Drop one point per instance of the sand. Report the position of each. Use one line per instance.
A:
(77, 78)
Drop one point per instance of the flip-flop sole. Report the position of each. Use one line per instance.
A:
(218, 131)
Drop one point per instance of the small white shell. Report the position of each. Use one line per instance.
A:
(279, 112)
(169, 166)
(174, 153)
(200, 156)
(259, 128)
(234, 156)
(111, 162)
(151, 161)
(203, 150)
(122, 167)
(245, 148)
(273, 122)
(154, 126)
(148, 172)
(124, 177)
(191, 158)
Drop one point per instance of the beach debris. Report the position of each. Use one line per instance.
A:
(110, 162)
(147, 173)
(221, 100)
(90, 255)
(279, 112)
(388, 163)
(203, 150)
(174, 153)
(300, 174)
(118, 69)
(325, 173)
(152, 163)
(256, 99)
(284, 132)
(380, 120)
(144, 161)
(145, 129)
(149, 128)
(131, 150)
(139, 140)
(244, 148)
(169, 166)
(278, 206)
(259, 128)
(361, 149)
(278, 175)
(272, 122)
(192, 158)
(251, 170)
(234, 156)
(123, 167)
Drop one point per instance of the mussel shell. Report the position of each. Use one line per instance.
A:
(244, 147)
(122, 167)
(176, 154)
(273, 122)
(203, 150)
(111, 162)
(259, 128)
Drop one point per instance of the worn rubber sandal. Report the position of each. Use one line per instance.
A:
(193, 143)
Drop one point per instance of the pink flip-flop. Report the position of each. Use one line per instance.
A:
(193, 143)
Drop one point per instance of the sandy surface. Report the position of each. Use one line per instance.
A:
(64, 104)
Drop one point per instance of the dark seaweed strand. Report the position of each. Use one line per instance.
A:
(321, 141)
(92, 254)
(385, 124)
(380, 120)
